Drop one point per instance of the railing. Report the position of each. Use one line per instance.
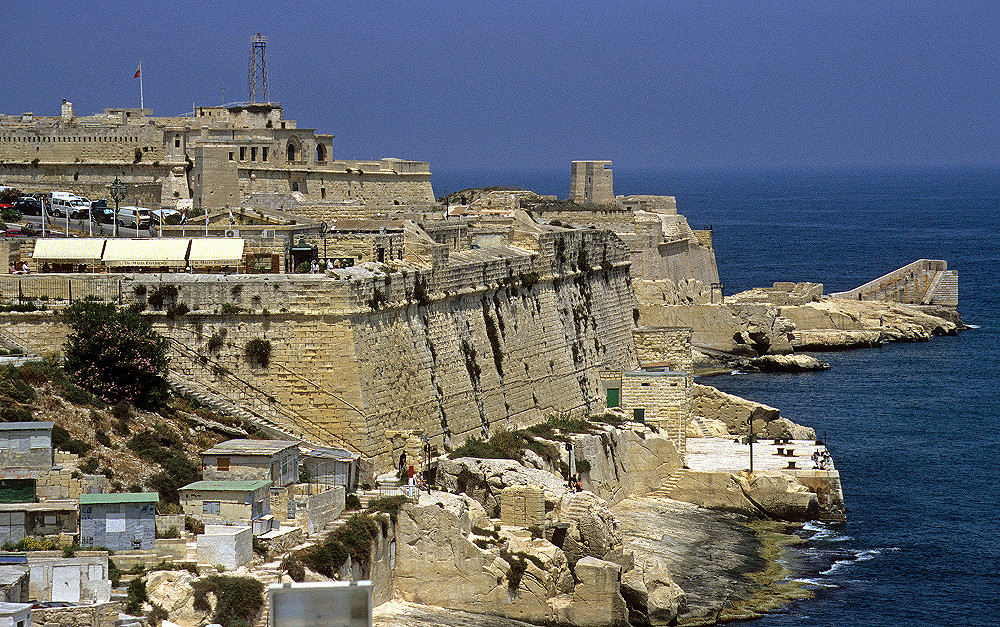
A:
(280, 415)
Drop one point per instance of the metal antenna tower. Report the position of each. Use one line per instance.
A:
(258, 69)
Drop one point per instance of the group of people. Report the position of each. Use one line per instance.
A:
(821, 459)
(574, 484)
(13, 269)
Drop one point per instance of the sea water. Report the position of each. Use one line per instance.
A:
(914, 428)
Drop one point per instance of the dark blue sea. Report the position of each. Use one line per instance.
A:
(914, 428)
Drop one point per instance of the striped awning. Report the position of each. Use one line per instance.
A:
(146, 252)
(68, 250)
(216, 250)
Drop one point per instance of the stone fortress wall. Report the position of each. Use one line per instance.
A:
(493, 343)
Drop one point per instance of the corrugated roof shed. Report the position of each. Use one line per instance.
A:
(227, 486)
(123, 497)
(249, 447)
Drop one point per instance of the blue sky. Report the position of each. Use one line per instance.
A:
(533, 85)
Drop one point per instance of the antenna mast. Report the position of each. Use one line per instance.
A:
(258, 69)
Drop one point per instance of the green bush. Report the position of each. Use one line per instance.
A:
(89, 466)
(353, 539)
(16, 414)
(173, 532)
(114, 573)
(163, 296)
(62, 441)
(136, 594)
(14, 388)
(215, 342)
(116, 354)
(388, 504)
(294, 567)
(102, 438)
(194, 525)
(238, 600)
(352, 502)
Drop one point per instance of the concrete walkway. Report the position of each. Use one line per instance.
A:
(723, 454)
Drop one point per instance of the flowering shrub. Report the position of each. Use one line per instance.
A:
(115, 353)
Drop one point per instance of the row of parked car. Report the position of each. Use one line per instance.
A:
(62, 204)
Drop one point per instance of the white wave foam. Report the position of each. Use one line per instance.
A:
(821, 532)
(859, 556)
(973, 326)
(816, 583)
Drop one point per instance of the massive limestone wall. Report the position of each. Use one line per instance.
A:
(352, 359)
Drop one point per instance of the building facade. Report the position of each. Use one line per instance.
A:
(213, 157)
(121, 522)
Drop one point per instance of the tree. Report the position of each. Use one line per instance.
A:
(115, 353)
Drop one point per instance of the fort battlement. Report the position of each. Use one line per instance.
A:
(486, 339)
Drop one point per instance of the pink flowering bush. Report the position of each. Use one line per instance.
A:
(115, 353)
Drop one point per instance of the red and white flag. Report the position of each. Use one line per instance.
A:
(138, 70)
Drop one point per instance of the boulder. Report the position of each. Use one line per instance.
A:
(713, 490)
(788, 363)
(593, 530)
(712, 404)
(779, 495)
(596, 600)
(171, 590)
(651, 595)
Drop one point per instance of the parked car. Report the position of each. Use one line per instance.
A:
(28, 229)
(101, 212)
(136, 217)
(29, 206)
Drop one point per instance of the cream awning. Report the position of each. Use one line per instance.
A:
(146, 252)
(216, 250)
(68, 250)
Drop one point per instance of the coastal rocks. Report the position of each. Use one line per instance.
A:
(593, 530)
(651, 595)
(786, 363)
(835, 340)
(484, 479)
(779, 496)
(837, 323)
(597, 600)
(712, 404)
(171, 590)
(622, 462)
(443, 559)
(771, 495)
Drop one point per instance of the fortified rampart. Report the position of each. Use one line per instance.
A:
(478, 341)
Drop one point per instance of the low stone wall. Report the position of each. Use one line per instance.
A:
(171, 548)
(316, 510)
(282, 539)
(97, 615)
(165, 521)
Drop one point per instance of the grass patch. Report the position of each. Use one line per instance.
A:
(353, 539)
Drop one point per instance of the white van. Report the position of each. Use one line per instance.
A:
(64, 204)
(135, 217)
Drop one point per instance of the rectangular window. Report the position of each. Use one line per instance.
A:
(222, 464)
(284, 467)
(263, 153)
(322, 193)
(177, 141)
(210, 507)
(639, 414)
(230, 156)
(243, 153)
(253, 153)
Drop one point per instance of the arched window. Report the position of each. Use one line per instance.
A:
(291, 151)
(295, 186)
(320, 153)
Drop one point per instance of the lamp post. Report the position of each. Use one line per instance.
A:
(117, 191)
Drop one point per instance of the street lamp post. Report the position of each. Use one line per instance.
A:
(118, 191)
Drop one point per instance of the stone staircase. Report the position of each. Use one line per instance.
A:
(268, 574)
(575, 510)
(668, 486)
(699, 425)
(227, 407)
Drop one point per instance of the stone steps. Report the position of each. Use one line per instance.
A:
(668, 486)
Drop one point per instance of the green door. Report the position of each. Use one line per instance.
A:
(613, 397)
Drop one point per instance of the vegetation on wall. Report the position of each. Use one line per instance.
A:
(115, 353)
(258, 352)
(165, 447)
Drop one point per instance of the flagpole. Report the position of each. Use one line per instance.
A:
(43, 216)
(142, 104)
